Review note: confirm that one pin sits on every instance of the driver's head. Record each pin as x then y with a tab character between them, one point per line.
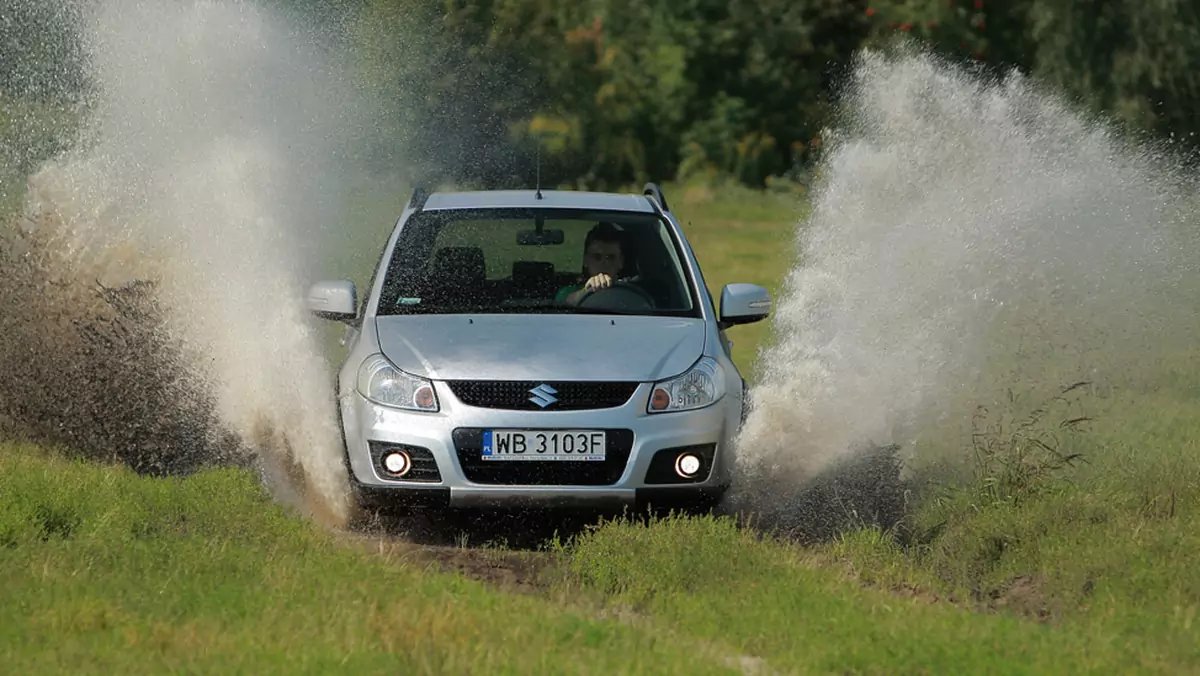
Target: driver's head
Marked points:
604	251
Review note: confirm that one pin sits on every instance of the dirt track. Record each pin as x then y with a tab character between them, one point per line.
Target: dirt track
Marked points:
510	550
509	553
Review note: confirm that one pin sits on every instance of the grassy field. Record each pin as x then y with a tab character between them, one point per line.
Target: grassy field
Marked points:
1022	568
108	572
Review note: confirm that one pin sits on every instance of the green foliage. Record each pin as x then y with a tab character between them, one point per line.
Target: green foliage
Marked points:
620	92
438	87
1136	61
39	57
1133	62
617	91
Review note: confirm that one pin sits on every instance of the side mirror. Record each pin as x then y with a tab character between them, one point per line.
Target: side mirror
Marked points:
336	300
744	304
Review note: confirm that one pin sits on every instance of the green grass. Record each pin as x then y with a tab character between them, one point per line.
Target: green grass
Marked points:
1007	563
107	571
1108	544
1010	561
707	579
104	571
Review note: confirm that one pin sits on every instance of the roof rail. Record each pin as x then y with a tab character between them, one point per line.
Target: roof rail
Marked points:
656	192
419	196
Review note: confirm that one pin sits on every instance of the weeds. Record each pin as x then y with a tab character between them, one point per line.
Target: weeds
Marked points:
1015	458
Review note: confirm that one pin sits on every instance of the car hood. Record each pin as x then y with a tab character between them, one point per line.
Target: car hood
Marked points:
541	347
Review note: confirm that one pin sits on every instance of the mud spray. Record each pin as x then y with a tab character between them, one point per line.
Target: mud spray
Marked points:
967	235
155	280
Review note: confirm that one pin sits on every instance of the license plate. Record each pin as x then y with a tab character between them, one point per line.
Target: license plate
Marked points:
578	445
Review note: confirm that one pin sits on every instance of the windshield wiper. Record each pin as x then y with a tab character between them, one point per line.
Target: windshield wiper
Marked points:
609	311
431	309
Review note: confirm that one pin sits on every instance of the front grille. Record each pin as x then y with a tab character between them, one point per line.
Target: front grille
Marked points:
468	444
424	466
520	395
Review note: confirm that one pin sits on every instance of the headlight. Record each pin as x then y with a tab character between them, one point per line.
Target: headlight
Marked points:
702	385
385	384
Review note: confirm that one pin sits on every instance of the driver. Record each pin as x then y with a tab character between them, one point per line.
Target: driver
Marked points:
603	259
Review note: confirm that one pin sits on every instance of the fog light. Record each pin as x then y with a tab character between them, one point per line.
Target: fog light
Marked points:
397	462
686	465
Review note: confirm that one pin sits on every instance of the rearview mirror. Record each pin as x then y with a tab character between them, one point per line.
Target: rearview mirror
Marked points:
336	300
543	238
744	304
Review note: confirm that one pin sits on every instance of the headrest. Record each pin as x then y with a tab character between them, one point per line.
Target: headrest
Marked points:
532	270
462	264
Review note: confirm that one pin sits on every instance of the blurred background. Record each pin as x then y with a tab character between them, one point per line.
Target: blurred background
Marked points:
624	91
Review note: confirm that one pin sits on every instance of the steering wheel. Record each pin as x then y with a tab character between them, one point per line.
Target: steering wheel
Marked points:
619	296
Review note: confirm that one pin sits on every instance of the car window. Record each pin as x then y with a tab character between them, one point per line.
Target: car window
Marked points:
497	238
529	261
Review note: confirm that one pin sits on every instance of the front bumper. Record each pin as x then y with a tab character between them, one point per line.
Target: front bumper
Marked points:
448	470
534	497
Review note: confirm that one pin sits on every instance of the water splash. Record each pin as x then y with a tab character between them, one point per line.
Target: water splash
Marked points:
211	163
967	235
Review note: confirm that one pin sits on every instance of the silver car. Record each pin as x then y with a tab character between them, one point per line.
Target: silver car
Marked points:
532	348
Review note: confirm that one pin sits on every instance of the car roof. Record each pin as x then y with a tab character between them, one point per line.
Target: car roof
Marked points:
554	199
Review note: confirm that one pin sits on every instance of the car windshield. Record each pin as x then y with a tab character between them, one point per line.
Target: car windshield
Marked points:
511	261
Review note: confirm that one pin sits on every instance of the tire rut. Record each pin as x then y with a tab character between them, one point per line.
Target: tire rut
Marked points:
514	553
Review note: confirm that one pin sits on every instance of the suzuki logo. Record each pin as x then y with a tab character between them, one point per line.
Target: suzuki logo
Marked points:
543	395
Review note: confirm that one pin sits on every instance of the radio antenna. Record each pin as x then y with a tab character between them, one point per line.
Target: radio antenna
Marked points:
538	163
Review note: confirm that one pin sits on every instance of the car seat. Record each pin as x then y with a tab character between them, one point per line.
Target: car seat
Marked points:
458	275
533	279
